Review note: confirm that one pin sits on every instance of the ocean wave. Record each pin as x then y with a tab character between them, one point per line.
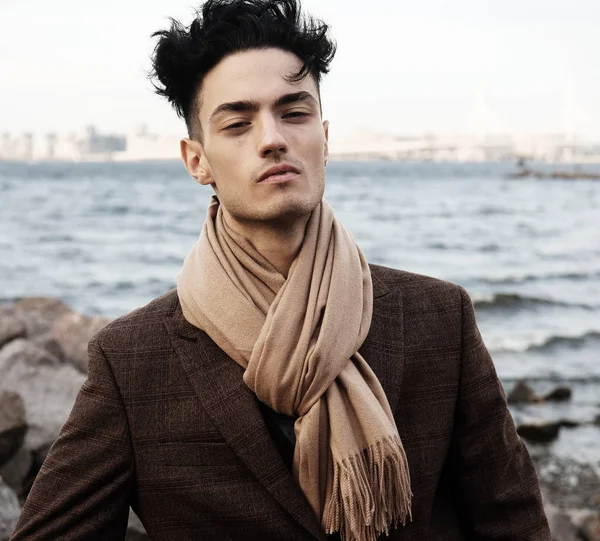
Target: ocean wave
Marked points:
567	341
56	237
553	378
488	247
546	343
514	301
573	275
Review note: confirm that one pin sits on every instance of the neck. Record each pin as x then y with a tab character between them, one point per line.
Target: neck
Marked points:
279	243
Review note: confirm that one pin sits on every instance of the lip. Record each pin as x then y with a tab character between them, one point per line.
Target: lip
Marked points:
278	174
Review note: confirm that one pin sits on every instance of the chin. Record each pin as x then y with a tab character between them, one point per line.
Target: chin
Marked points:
289	208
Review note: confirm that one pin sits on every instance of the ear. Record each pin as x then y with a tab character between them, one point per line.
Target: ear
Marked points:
326	145
194	159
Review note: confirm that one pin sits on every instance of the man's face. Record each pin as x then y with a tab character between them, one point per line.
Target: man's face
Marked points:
252	120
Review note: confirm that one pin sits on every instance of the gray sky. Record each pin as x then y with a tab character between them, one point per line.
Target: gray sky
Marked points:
402	67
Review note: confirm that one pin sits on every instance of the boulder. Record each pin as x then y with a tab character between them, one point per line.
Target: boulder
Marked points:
522	393
559	394
590	529
9	510
569	423
72	332
39	313
16	471
47	342
11	326
562	526
539	432
27	477
12	424
48	389
21	351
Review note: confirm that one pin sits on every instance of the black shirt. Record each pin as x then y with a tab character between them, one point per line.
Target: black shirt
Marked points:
281	429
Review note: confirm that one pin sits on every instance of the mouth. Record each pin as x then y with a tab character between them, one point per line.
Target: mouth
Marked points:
278	174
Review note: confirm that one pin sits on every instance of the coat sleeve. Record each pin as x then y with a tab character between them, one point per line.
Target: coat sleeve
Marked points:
82	491
495	485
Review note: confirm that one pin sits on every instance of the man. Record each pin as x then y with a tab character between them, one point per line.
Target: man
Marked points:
286	390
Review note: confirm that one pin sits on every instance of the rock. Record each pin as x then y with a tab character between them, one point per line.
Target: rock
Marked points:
37	459
597	420
559	394
539	433
48	389
11	326
590	529
21	351
521	393
568	483
72	332
39	313
47	342
12	424
16	471
568	423
562	527
9	511
135	529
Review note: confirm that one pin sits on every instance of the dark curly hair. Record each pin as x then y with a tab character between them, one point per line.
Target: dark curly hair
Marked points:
184	55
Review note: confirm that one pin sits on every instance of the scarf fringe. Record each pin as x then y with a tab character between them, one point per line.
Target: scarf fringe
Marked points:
371	492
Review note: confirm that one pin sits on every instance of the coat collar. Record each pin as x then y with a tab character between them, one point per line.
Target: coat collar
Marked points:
233	408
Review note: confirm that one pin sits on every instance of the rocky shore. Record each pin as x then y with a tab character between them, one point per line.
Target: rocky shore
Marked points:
43	363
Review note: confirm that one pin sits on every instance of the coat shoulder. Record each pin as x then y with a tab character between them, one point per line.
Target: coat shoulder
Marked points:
145	325
420	292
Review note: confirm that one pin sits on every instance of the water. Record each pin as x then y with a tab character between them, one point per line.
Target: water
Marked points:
107	238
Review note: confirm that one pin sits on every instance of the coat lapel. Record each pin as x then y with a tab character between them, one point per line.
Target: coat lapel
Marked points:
383	348
233	408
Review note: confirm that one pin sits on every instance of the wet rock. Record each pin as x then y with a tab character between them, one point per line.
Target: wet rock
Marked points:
522	393
539	432
12	424
559	394
569	423
11	326
39	313
9	511
72	332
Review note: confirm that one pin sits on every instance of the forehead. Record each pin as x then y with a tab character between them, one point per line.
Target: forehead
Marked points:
258	74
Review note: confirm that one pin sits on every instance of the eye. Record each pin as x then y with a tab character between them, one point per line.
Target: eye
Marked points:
296	114
237	125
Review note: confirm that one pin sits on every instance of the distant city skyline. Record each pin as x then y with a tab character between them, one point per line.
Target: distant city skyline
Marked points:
141	144
460	66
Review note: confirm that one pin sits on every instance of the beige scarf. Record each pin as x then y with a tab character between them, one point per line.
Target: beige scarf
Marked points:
297	339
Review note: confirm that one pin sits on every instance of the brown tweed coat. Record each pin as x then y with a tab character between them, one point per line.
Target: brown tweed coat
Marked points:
165	424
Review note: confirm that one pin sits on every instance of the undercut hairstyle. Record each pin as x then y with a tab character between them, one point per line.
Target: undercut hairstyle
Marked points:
184	55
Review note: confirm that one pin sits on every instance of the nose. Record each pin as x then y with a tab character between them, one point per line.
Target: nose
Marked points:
272	140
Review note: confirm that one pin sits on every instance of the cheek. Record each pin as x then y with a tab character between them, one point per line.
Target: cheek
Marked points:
318	155
226	167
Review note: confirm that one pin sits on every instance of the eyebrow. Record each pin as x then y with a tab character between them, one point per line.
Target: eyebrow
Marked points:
253	106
